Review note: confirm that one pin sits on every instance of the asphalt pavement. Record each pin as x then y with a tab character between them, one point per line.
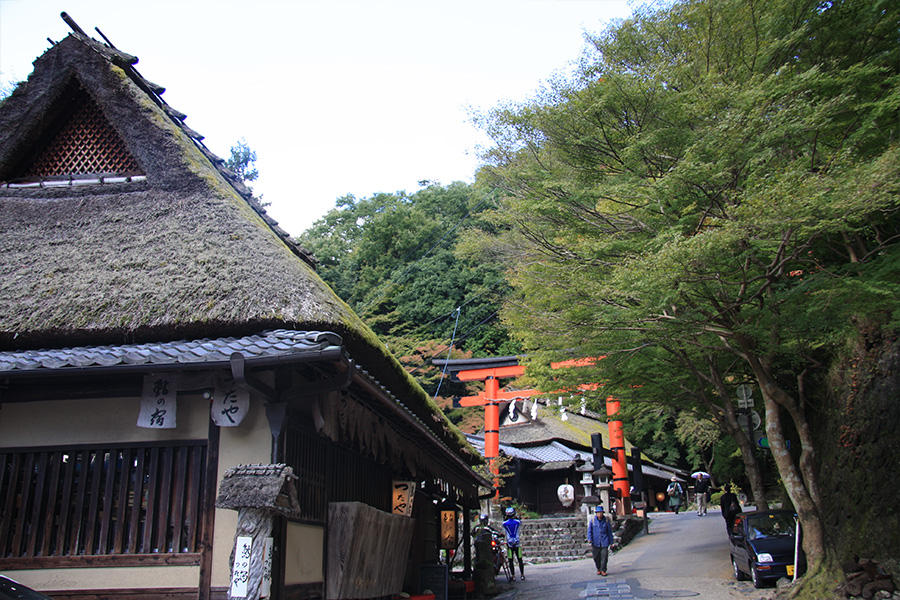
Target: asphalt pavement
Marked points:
682	556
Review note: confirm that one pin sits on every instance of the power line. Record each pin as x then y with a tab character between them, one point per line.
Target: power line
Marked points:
444	371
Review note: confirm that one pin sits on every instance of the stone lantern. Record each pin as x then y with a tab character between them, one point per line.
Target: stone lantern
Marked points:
587	480
603	475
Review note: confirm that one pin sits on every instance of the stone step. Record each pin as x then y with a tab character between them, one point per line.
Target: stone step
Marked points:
554	539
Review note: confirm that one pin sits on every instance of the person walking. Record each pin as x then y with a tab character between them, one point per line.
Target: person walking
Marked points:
512	525
701	491
599	536
676	495
731	506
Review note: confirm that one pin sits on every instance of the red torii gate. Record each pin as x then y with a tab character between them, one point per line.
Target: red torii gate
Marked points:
491	371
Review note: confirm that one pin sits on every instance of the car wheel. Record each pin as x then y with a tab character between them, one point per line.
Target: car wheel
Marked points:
738	574
757	580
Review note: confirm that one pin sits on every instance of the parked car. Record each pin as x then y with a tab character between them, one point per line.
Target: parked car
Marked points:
763	545
13	590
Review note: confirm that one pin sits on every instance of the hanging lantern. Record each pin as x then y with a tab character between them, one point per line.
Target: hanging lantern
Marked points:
448	520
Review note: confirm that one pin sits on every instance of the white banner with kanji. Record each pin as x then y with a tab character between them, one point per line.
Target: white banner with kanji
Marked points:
158	401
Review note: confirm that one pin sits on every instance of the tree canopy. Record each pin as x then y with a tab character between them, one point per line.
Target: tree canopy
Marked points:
393	258
711	200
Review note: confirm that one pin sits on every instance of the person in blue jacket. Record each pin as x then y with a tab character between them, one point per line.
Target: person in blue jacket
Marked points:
512	525
599	536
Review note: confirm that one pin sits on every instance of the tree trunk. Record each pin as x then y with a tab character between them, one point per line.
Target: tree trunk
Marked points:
799	479
748	455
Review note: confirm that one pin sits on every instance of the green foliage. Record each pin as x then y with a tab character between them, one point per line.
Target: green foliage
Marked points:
712	199
6	87
241	162
394	259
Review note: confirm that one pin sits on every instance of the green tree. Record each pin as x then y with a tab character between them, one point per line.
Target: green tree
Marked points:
393	258
6	88
242	162
716	194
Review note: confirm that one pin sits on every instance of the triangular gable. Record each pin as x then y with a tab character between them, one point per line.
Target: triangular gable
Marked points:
81	141
86	111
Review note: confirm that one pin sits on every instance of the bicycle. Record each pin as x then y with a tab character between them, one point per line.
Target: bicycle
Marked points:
506	568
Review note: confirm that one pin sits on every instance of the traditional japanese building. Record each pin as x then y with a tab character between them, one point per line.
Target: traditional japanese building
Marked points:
157	331
544	444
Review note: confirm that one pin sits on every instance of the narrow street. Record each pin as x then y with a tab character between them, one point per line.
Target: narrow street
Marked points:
682	556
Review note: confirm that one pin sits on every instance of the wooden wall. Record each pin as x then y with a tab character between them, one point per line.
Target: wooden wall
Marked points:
367	551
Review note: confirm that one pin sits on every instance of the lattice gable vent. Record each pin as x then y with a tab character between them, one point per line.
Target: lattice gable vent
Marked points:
82	142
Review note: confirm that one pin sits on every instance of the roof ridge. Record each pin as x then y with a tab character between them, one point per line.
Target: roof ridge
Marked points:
154	91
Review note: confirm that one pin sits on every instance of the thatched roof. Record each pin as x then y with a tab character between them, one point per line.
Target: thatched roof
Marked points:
174	248
260	486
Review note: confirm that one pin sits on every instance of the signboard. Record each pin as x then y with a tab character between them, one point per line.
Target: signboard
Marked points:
158	402
763	442
230	404
744	393
745	420
448	528
240	572
403	493
435	578
265	587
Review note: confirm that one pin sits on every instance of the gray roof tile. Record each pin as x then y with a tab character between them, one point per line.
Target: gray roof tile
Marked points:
266	345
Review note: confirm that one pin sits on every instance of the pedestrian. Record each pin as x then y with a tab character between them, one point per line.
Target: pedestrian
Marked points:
701	490
512	525
599	536
731	507
676	494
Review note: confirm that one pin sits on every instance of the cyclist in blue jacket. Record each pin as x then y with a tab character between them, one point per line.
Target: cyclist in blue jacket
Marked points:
512	525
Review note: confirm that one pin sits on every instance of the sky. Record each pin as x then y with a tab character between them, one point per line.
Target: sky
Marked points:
336	97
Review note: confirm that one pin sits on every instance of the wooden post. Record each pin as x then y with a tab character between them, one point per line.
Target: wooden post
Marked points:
255	524
259	493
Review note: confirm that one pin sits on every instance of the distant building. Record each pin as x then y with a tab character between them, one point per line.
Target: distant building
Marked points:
157	331
545	445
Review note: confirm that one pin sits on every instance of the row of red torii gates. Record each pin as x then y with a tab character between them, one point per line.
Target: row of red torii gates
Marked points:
491	371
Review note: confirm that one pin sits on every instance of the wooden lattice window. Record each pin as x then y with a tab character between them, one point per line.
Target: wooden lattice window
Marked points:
93	501
83	142
328	472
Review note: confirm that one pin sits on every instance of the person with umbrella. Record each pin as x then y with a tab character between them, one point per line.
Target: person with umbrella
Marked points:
701	491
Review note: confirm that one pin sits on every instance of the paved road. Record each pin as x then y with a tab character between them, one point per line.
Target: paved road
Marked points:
682	556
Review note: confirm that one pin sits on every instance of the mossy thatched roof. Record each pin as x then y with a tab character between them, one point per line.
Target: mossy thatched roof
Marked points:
181	252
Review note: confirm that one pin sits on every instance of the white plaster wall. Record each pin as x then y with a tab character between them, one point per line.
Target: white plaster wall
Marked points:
303	554
62	422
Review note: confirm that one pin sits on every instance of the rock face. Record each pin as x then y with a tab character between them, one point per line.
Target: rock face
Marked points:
856	419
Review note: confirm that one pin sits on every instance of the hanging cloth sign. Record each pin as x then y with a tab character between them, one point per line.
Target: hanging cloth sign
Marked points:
265	588
240	572
230	403
158	402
